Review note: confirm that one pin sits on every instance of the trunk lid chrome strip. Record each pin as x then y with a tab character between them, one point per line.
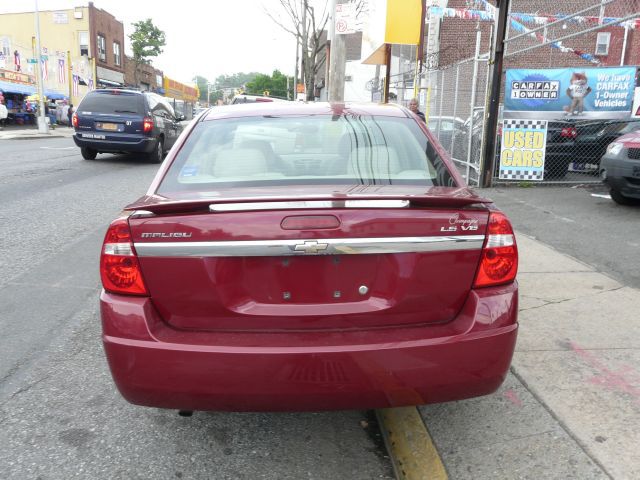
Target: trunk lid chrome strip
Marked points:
311	204
322	246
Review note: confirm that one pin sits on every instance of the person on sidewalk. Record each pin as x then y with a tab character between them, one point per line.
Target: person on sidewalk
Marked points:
70	115
413	106
4	113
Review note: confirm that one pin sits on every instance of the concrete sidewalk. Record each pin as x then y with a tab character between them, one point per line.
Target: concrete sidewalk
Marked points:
12	133
571	406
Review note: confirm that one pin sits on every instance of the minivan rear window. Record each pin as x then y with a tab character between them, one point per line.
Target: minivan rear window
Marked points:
112	102
305	150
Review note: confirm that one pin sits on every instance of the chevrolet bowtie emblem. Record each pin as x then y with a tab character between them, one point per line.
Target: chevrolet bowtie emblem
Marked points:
311	246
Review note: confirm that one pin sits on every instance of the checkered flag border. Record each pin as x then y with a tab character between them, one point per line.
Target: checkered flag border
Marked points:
529	124
521	175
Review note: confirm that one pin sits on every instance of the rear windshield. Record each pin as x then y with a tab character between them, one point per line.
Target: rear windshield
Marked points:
107	102
311	150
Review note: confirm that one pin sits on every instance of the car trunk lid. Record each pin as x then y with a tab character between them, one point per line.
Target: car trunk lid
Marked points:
335	265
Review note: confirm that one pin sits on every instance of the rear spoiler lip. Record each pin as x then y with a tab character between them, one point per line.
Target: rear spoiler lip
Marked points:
162	205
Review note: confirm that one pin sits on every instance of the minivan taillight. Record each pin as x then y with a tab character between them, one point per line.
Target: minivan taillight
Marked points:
119	266
74	120
499	261
147	124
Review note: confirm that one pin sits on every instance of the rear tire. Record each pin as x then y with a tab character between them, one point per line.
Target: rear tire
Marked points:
620	199
157	155
88	153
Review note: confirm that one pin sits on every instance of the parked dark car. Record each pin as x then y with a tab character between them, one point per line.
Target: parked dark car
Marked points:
594	137
452	134
114	120
313	256
620	169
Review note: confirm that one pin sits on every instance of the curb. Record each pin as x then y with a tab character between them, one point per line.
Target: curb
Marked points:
412	452
32	137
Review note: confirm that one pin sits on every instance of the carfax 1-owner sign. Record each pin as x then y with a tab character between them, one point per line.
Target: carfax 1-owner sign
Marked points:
555	93
522	149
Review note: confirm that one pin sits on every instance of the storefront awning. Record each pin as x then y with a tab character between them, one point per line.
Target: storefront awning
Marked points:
9	87
109	83
55	95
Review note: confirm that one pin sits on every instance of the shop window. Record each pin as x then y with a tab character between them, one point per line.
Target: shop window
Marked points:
83	40
5	47
101	45
117	59
602	43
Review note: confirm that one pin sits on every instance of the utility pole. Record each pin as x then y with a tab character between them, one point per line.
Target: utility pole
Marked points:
491	120
42	123
338	58
304	47
387	75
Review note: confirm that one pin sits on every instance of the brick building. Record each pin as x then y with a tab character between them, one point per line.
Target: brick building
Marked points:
456	37
147	76
107	44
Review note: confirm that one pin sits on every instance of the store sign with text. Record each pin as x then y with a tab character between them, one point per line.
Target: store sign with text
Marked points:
522	150
556	93
17	77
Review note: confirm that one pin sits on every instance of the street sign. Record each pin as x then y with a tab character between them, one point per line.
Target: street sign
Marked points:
345	18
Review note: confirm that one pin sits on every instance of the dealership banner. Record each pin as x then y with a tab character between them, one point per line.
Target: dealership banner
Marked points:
522	149
557	93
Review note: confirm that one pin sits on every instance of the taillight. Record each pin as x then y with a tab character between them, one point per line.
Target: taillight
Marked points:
119	266
74	120
569	132
147	124
499	262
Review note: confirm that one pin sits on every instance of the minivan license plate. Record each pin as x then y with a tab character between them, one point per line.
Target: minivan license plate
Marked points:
113	127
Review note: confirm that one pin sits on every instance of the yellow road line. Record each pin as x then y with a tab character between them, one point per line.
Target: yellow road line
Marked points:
412	451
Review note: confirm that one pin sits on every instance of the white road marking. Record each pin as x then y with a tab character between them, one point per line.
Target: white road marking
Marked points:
601	195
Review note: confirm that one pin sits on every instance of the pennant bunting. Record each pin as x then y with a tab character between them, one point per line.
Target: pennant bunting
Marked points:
61	70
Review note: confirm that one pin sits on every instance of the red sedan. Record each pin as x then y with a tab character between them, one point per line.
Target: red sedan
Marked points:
308	257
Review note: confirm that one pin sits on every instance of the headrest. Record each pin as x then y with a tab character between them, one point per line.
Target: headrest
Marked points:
240	162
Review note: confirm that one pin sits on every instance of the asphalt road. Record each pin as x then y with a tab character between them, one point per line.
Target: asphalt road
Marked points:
60	414
579	222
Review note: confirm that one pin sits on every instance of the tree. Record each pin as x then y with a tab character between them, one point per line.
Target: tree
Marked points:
202	83
307	28
276	85
147	41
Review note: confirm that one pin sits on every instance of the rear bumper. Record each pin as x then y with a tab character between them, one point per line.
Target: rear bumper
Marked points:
141	144
157	366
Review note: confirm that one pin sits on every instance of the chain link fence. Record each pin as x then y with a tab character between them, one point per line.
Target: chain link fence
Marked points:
574	35
597	43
